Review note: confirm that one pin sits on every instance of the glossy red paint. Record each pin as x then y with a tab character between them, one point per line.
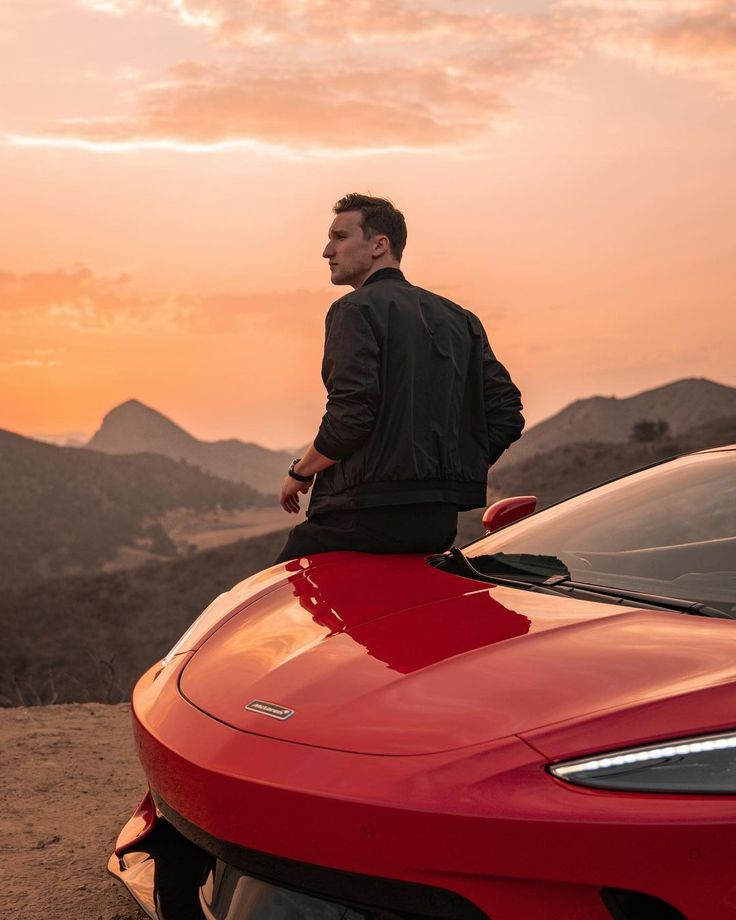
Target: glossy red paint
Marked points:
480	665
380	789
507	511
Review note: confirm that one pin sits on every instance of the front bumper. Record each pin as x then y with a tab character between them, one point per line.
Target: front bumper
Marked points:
176	871
487	824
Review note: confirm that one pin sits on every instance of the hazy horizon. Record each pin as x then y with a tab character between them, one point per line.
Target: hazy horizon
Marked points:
59	437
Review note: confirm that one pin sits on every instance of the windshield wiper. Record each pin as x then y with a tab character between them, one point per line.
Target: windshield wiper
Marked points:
510	564
528	575
655	600
520	576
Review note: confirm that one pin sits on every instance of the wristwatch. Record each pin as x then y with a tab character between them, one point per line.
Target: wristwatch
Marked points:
298	476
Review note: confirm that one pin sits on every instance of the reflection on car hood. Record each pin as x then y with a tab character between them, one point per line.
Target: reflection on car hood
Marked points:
385	655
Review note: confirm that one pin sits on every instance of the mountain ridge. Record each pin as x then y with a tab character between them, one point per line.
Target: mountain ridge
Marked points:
133	427
683	404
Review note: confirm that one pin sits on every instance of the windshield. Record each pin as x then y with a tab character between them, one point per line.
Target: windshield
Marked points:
669	530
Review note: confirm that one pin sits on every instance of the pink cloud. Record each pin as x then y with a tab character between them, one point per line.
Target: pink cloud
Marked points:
77	297
74	292
338	109
394	76
693	38
306	75
315	22
709	32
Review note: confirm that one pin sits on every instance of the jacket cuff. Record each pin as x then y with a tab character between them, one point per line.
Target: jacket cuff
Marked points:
328	447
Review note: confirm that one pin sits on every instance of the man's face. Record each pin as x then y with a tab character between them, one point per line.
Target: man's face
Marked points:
351	257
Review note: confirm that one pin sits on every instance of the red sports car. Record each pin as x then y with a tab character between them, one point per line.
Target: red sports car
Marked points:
542	725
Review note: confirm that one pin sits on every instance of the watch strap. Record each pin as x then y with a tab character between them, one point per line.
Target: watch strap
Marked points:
298	476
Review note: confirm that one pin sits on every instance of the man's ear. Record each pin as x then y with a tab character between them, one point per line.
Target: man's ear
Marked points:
381	244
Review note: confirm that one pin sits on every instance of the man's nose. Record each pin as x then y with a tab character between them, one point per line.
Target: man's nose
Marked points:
327	251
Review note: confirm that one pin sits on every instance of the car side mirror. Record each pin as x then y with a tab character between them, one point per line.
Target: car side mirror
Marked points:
508	510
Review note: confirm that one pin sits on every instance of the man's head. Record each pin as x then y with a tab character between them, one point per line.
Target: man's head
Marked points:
366	234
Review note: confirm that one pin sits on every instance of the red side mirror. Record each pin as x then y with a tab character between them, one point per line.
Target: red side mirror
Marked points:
508	510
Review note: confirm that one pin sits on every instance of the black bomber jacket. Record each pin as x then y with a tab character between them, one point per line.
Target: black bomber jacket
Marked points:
418	407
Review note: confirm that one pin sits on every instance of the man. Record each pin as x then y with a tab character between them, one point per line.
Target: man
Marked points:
418	407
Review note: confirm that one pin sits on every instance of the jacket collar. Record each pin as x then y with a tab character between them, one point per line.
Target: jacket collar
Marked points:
385	274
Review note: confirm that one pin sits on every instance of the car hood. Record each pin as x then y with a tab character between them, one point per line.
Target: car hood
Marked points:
387	655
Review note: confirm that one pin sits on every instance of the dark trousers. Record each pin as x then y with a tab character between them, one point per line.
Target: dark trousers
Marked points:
427	527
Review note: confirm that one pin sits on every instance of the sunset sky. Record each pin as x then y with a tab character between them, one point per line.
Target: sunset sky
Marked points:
168	168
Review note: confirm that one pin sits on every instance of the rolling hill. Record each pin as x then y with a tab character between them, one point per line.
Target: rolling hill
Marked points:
71	509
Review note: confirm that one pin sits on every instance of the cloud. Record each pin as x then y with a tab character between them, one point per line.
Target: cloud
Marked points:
702	43
76	297
294	77
320	22
124	74
228	312
412	107
692	38
111	7
29	362
73	294
308	74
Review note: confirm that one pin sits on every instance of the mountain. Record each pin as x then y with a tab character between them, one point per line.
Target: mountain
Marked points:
72	509
683	404
133	428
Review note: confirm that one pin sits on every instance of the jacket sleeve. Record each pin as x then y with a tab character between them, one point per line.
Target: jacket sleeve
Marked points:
351	373
502	404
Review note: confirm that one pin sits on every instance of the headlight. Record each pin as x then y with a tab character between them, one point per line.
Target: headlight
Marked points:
706	764
216	610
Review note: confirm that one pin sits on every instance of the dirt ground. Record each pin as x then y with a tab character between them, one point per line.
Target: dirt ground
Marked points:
69	779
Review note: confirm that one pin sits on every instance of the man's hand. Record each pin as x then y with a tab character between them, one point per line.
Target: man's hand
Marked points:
290	489
311	463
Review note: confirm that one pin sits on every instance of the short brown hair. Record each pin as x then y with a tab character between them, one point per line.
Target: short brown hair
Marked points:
378	216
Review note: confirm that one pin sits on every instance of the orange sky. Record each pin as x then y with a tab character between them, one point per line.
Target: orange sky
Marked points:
167	169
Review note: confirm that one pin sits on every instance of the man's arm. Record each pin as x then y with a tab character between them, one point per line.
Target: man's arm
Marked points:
502	403
351	371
